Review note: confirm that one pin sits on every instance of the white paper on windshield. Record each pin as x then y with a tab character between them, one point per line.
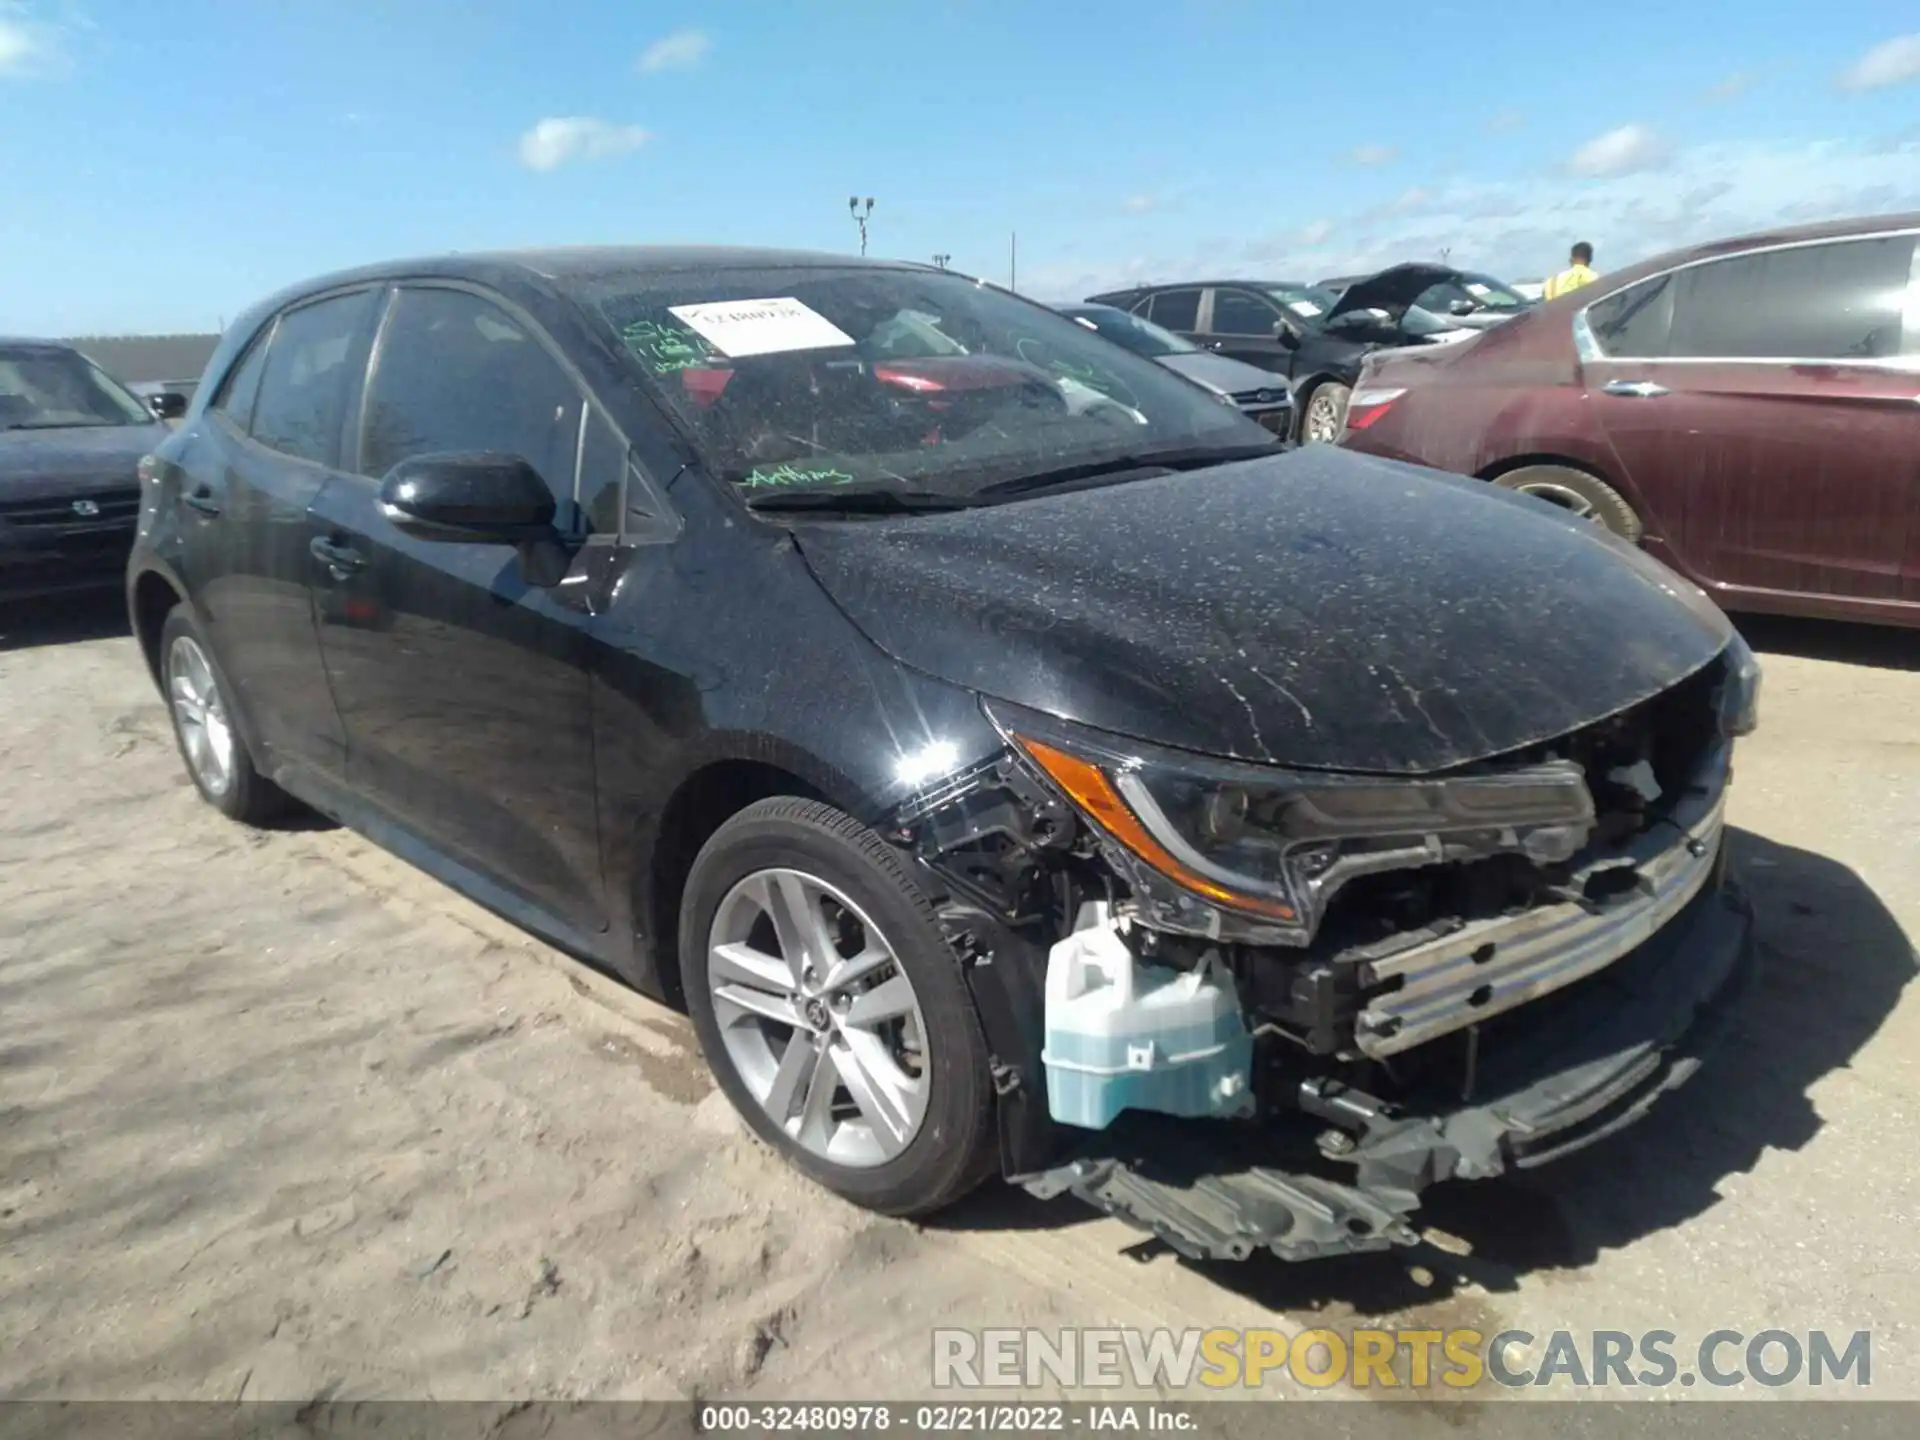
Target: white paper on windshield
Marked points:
1474	287
738	328
1304	307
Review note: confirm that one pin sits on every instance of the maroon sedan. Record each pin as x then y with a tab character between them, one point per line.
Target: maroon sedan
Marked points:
1749	410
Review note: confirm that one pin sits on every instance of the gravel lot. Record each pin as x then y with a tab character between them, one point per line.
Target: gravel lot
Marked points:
280	1116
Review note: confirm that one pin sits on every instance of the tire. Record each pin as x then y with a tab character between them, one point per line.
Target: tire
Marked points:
200	705
1578	493
807	859
1324	412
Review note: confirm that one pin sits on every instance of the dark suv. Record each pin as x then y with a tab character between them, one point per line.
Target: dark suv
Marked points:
71	441
1008	754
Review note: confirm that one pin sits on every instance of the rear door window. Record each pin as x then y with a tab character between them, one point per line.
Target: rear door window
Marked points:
304	387
1176	310
1235	312
1840	301
458	373
1633	324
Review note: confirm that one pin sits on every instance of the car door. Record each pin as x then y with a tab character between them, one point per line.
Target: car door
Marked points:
1771	401
463	687
1247	327
1175	310
261	454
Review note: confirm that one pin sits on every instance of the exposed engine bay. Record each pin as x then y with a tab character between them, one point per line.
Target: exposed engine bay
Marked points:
1394	980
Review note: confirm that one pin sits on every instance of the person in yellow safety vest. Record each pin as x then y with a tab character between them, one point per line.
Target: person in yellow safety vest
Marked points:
1580	272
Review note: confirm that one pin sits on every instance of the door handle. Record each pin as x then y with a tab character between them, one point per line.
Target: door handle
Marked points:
340	560
202	498
1635	389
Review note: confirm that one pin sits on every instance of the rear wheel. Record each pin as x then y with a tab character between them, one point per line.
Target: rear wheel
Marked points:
1578	493
832	1010
1325	413
198	701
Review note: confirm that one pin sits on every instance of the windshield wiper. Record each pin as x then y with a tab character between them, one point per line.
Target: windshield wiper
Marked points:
860	499
1139	466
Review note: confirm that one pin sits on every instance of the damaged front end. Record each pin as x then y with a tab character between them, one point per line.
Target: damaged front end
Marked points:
1250	1008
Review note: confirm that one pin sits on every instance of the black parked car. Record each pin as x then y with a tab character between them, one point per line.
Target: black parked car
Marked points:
1312	336
71	439
869	656
1259	395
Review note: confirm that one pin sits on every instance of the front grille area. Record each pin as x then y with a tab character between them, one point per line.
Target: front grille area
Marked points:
1279	420
1257	399
102	507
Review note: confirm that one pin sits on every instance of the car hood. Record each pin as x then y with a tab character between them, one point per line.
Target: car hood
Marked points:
53	462
1320	608
1222	375
1393	289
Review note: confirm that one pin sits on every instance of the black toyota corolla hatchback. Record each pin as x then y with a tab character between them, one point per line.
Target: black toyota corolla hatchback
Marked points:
1012	760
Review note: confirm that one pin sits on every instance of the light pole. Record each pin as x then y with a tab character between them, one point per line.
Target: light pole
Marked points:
860	217
940	261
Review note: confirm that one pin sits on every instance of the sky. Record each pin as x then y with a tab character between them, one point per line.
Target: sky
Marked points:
162	165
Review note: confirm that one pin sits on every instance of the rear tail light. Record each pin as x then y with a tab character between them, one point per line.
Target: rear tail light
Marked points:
1368	405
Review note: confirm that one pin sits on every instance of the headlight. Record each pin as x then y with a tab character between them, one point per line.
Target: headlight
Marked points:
1273	844
1740	690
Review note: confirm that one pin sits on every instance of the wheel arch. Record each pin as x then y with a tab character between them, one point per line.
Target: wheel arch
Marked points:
704	800
152	597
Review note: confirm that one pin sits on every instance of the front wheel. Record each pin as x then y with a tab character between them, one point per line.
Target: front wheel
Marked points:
832	1010
1325	414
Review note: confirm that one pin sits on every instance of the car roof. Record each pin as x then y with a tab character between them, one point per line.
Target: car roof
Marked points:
30	342
1143	289
570	265
1761	240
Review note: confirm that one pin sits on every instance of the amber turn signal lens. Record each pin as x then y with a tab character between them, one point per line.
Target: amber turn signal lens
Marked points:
1089	788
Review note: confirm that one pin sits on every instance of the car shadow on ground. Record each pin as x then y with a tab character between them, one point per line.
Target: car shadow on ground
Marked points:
1881	647
1833	963
63	619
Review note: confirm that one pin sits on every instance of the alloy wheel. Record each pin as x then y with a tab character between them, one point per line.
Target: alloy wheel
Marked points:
1567	499
205	732
818	1017
1323	419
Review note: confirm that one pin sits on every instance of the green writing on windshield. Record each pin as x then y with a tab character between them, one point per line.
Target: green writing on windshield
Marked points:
664	349
793	475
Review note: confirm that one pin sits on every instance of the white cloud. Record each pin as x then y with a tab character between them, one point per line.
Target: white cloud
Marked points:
681	50
1371	154
1731	88
1520	227
1619	152
1892	62
555	141
1140	204
27	47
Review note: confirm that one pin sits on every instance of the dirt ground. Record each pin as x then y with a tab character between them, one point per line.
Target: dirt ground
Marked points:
281	1117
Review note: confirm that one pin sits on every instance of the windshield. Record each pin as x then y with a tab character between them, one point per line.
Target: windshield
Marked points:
816	378
1143	337
1305	302
62	389
1483	292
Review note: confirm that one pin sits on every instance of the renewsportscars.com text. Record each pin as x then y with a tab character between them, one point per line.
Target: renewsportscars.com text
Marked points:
1173	1360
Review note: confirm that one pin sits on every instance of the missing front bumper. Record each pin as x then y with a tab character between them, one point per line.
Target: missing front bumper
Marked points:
1603	1053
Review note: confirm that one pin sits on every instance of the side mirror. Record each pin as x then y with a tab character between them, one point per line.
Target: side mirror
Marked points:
167	404
1462	307
490	499
1289	339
